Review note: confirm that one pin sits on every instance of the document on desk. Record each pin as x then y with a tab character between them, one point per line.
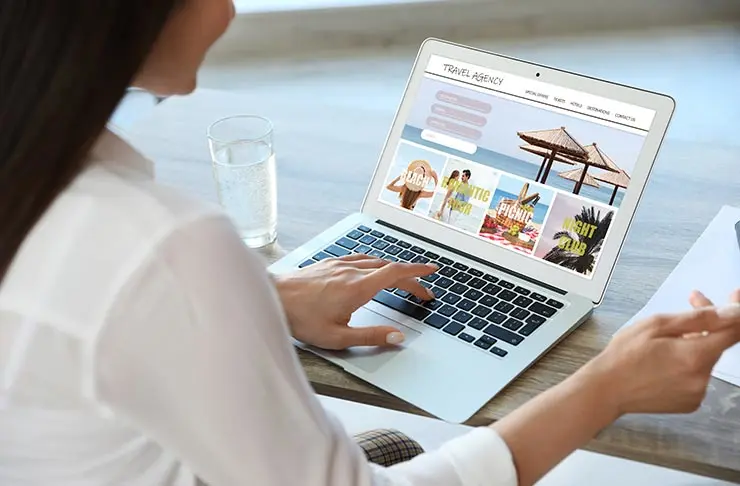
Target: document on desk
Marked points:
711	266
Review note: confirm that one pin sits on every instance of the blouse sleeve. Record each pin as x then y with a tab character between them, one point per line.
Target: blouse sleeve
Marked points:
195	352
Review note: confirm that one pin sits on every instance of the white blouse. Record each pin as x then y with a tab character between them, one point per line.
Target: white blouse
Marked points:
142	344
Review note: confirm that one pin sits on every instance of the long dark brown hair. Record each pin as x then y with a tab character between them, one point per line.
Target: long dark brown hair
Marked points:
64	67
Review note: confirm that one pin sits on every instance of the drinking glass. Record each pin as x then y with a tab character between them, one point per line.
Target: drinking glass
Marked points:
243	162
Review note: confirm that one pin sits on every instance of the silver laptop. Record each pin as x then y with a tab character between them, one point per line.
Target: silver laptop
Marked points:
520	181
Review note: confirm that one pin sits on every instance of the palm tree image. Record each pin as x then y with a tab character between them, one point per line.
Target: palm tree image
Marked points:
582	263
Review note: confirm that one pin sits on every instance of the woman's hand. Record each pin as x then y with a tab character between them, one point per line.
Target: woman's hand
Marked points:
663	364
319	300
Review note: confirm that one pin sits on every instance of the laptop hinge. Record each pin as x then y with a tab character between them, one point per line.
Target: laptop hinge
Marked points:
475	258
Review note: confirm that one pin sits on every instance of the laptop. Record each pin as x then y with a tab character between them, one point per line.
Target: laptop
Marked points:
520	182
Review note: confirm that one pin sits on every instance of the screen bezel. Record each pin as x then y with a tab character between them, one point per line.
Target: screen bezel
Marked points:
592	288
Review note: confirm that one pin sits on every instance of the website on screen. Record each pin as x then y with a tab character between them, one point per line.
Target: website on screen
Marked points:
532	167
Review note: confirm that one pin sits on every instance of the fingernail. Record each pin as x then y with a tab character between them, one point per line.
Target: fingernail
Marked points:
395	338
431	294
433	266
729	311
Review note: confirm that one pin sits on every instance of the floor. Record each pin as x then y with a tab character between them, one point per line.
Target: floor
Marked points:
699	67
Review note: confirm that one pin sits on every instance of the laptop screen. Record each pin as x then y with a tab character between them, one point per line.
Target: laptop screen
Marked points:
532	167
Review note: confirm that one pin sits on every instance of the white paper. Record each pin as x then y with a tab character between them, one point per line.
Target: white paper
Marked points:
711	266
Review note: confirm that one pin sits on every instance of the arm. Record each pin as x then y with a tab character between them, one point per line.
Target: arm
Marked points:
436	182
393	187
196	353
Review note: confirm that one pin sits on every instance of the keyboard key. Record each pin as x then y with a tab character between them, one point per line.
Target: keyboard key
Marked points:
390	239
381	245
368	240
477	283
513	324
438	292
459	288
481	311
425	284
337	251
466	305
504	307
447	310
364	229
363	249
485	342
488	301
491	289
402	306
528	329
354	234
402	293
473	294
453	328
445	261
444	282
407	255
431	255
555	303
475	272
542	310
391	258
433	304
522	301
490	278
377	234
506	295
436	321
417	249
462	277
430	278
307	263
393	250
497	317
466	337
447	271
404	244
499	352
377	254
478	323
462	316
522	290
347	243
461	267
503	335
505	284
451	298
519	313
536	320
420	259
417	300
321	256
538	297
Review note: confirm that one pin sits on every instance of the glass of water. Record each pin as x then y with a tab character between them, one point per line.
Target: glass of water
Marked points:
244	170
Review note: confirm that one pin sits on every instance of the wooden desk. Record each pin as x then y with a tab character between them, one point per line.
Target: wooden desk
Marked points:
327	149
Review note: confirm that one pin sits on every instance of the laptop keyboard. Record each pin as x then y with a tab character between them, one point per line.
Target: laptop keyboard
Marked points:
484	310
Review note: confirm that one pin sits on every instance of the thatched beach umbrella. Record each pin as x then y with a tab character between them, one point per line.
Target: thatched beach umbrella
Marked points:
596	158
557	142
545	154
617	179
575	175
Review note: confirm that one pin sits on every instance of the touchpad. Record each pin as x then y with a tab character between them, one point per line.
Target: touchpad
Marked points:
372	358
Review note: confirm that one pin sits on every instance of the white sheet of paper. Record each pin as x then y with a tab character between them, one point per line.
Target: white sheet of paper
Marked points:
711	266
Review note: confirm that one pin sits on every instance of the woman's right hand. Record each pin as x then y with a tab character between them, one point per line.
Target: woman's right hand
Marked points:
663	364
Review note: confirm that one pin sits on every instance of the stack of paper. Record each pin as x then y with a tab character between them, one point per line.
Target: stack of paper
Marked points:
711	266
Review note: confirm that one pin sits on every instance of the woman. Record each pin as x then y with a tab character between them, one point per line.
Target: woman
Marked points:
415	179
143	345
444	214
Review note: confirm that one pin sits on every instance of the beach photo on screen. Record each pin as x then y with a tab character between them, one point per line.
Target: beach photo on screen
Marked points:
565	152
518	210
464	194
574	234
413	178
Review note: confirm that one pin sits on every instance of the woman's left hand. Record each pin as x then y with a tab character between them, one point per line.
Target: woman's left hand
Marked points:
319	300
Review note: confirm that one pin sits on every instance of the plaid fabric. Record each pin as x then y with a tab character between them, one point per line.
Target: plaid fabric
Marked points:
386	447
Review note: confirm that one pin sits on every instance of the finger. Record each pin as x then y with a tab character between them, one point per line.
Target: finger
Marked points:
699	300
735	297
415	287
356	257
389	275
369	336
369	263
696	321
